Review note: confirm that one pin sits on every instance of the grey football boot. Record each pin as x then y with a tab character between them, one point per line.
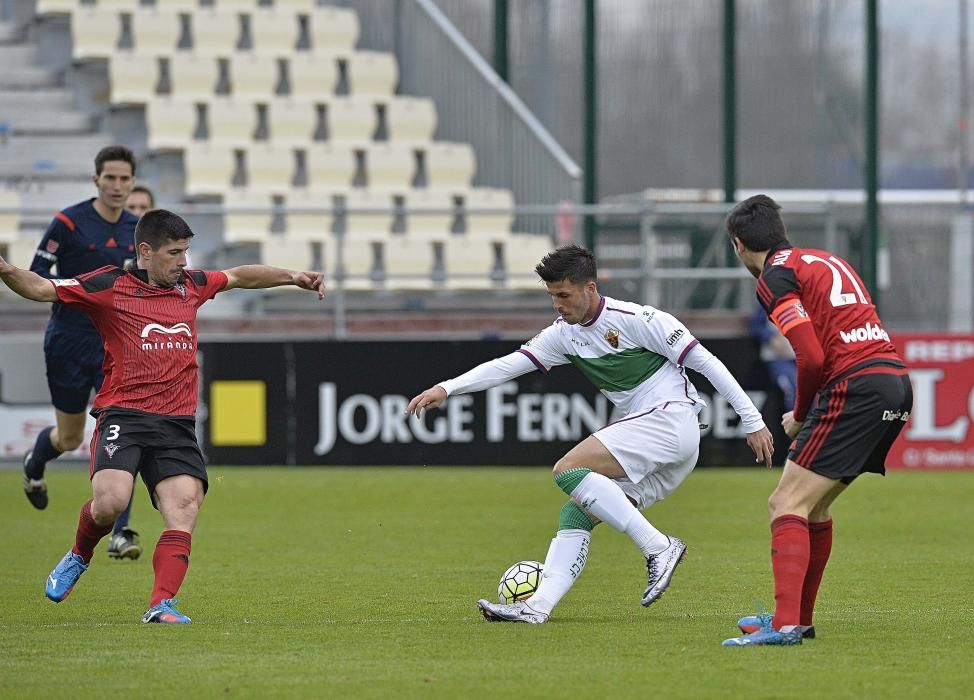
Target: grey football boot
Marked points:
660	568
512	612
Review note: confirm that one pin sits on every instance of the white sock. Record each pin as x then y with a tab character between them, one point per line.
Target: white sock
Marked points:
604	499
566	559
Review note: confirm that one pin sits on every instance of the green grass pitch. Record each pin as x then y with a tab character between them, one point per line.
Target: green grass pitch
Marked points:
361	583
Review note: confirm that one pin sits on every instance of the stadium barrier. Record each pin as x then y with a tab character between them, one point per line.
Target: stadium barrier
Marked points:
336	403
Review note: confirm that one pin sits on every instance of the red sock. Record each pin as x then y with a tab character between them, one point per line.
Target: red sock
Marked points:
789	560
170	561
819	548
89	534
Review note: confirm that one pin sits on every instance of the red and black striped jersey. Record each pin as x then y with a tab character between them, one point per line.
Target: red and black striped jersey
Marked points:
799	285
149	335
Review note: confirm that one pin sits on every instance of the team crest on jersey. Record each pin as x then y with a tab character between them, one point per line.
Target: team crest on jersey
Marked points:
52	246
612	337
110	449
181	288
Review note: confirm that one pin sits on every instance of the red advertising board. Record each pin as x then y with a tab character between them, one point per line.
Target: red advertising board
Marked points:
940	432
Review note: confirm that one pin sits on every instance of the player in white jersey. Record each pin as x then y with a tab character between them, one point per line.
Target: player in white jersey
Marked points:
636	356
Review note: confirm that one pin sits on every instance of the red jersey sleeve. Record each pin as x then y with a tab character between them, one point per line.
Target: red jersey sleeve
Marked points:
88	292
794	323
776	284
209	282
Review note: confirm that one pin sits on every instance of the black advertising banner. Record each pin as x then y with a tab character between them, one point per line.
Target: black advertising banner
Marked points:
332	403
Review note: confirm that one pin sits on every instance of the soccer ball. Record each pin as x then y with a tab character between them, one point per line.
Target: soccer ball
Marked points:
519	582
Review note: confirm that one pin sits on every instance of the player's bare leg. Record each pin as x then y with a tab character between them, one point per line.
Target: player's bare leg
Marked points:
586	474
179	499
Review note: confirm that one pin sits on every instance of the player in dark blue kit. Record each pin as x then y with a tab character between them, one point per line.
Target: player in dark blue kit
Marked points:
82	238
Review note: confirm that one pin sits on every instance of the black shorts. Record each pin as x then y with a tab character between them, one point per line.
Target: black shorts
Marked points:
74	367
853	424
154	446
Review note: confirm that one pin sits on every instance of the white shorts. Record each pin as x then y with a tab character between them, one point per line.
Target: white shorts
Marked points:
657	449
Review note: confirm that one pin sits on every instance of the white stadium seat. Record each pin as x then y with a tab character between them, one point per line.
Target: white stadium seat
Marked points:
372	213
270	169
10	219
352	120
292	122
469	262
488	222
312	75
215	31
372	73
208	169
283	251
94	33
429	213
449	165
247	216
56	7
133	77
390	166
334	29
253	76
330	167
274	32
154	31
522	251
170	124
192	77
409	262
411	119
232	122
309	216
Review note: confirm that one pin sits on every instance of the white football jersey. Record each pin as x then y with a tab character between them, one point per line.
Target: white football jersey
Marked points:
632	353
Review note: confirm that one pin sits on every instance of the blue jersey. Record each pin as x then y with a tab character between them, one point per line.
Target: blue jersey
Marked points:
79	240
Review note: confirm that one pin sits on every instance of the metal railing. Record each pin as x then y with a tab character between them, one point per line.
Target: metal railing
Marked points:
514	150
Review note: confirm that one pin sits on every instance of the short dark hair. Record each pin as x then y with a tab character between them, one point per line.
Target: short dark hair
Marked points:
114	153
145	190
569	262
757	223
157	226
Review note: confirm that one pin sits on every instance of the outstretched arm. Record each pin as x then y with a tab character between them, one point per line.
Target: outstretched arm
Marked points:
27	284
759	438
482	376
265	277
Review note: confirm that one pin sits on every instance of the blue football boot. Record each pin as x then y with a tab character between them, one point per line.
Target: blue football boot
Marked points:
752	623
165	612
64	576
767	636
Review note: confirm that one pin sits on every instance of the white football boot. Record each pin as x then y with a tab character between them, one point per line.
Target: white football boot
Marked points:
513	612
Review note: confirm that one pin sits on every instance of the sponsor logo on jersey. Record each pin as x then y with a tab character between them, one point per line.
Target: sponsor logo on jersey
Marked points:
111	449
649	316
171	344
896	415
612	337
781	258
70	282
674	336
863	333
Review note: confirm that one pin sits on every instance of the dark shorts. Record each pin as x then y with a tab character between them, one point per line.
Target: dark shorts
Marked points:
853	424
154	446
74	367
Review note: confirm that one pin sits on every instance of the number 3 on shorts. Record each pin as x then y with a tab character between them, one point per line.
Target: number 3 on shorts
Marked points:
113	431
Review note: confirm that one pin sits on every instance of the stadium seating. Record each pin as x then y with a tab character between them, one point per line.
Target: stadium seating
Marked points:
411	119
192	77
372	73
155	31
243	226
248	91
94	33
334	29
232	122
449	165
9	220
170	124
215	31
133	77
